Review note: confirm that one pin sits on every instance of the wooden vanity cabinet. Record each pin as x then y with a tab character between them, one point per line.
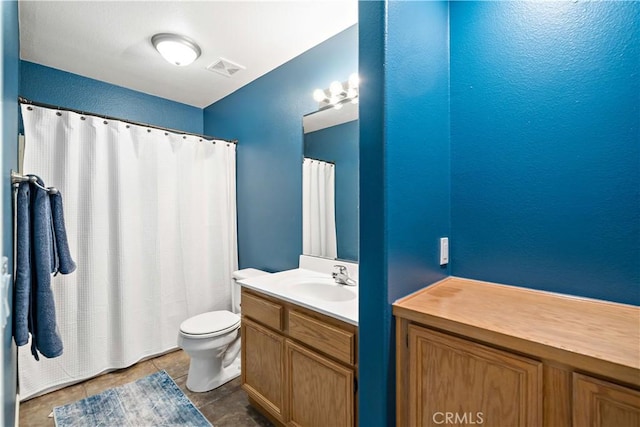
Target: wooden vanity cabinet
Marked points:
601	403
320	392
477	353
298	366
263	370
476	382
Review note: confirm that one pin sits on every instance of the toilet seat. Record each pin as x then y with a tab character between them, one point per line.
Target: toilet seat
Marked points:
211	324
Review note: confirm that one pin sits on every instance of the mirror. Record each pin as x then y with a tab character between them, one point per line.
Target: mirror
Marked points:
330	183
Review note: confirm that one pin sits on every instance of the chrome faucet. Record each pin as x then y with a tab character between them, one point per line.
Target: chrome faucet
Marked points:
341	276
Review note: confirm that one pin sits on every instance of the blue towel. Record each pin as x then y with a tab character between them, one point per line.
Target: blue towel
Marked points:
22	287
41	249
65	264
45	337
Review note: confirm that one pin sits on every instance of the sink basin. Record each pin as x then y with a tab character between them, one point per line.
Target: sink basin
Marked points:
322	289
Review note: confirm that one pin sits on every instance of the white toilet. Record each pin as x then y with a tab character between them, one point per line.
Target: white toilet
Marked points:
212	341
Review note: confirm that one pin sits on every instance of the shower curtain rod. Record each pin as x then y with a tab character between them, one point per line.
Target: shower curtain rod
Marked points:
318	160
131	122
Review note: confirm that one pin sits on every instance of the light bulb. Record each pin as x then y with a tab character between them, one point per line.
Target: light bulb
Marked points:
176	53
354	80
352	93
334	100
319	95
338	106
336	88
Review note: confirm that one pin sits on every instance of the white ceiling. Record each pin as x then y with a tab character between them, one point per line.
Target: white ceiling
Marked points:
111	41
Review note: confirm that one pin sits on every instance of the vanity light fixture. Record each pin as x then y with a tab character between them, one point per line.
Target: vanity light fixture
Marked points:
176	49
339	93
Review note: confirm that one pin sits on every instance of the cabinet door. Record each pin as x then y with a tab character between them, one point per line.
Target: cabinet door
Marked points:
320	392
598	403
457	382
263	367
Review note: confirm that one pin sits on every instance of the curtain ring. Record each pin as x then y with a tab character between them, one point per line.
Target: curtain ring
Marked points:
30	108
58	113
105	122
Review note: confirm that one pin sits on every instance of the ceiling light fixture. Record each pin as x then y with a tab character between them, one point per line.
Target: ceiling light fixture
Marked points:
338	93
178	50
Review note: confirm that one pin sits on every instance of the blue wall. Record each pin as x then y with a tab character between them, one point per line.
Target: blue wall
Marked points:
266	117
417	152
339	144
56	87
375	388
9	94
405	177
545	126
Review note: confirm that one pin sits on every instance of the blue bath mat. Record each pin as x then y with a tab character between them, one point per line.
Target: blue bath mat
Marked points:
155	400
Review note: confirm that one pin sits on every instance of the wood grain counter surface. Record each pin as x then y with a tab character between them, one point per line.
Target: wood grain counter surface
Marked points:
595	336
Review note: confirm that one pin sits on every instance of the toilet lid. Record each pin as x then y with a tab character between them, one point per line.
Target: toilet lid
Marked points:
208	323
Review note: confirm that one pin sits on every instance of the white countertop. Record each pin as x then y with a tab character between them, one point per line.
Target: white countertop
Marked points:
280	285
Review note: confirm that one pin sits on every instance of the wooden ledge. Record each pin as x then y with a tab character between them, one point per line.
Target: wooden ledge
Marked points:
591	335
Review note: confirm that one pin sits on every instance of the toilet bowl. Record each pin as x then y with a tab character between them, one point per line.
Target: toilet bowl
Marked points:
212	341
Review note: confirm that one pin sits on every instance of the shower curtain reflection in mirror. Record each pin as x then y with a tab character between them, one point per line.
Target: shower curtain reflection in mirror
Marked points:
332	135
151	219
318	209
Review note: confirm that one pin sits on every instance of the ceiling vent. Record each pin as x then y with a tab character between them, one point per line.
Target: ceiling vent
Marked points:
225	67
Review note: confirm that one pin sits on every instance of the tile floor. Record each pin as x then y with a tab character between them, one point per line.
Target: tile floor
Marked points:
226	406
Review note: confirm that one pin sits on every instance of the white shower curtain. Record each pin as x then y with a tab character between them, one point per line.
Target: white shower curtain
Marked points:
151	221
318	209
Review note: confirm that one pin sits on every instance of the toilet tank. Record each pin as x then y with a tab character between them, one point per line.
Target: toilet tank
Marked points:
245	273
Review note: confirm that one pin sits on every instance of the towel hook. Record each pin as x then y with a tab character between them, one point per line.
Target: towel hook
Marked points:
16	178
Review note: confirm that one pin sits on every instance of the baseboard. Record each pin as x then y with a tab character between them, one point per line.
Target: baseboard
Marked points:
17	419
